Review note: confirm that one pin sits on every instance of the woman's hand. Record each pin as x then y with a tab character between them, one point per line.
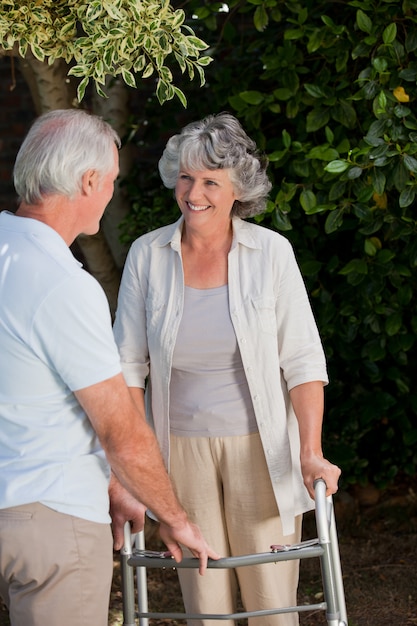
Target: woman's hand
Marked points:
315	466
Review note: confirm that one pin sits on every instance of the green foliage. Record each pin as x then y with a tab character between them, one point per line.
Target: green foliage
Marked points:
125	38
328	91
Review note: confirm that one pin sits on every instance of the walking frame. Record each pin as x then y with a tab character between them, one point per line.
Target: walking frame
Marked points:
325	547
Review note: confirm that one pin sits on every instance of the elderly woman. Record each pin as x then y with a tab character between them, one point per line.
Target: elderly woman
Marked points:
214	321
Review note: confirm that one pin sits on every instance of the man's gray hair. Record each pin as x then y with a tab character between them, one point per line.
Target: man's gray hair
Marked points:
60	147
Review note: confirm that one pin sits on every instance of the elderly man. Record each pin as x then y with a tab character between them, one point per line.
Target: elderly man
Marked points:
66	414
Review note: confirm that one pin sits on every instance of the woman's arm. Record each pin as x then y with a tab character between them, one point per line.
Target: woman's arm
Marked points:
308	403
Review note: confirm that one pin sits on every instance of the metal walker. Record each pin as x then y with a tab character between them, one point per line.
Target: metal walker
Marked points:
325	547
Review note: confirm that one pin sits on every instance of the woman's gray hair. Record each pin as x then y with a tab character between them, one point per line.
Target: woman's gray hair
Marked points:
219	142
60	147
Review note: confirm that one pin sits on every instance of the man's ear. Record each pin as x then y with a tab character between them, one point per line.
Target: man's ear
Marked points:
89	182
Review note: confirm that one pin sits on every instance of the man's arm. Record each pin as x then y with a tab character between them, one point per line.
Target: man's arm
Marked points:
308	403
123	506
133	453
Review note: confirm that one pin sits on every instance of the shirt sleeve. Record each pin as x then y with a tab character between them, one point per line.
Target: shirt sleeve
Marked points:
72	333
130	326
301	352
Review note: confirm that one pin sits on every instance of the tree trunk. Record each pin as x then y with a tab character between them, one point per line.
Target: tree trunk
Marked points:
115	110
49	85
51	89
101	265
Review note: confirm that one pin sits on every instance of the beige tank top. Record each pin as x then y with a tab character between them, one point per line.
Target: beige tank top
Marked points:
209	394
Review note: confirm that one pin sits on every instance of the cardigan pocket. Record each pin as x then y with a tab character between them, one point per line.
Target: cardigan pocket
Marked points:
265	315
156	309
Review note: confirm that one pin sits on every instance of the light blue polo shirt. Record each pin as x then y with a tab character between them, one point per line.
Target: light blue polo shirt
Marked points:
55	338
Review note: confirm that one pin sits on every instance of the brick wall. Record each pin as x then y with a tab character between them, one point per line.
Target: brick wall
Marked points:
16	115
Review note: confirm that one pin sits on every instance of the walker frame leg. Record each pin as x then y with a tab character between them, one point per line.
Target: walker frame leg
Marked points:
330	560
325	547
128	583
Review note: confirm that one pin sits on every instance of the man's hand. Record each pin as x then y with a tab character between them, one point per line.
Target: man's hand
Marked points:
124	508
188	535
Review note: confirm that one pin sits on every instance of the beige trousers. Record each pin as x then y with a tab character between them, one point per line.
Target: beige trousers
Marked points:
55	569
224	485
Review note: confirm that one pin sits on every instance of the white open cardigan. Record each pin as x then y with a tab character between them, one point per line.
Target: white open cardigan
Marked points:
275	330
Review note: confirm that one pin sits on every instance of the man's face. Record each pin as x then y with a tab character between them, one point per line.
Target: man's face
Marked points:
101	196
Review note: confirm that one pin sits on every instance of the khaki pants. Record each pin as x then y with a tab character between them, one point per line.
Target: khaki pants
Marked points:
224	486
55	569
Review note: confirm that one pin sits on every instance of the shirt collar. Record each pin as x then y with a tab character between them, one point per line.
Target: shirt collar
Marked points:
40	232
242	234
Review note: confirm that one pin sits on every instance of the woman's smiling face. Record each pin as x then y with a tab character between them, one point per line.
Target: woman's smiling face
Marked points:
205	195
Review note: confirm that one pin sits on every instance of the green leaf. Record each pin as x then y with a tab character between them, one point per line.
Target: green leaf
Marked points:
311	267
286	138
301	167
411	40
410	163
323	153
337	190
378	180
315	40
409	74
404	295
283	93
81	88
355	266
179	17
363	21
400	175
308	200
390	33
393	324
78	70
354	172
371	247
364	194
410	438
329	135
260	18
380	64
344	113
100	91
37	52
337	167
128	78
204	61
407	197
181	96
316	119
315	90
334	221
197	43
374	350
293	33
252	97
277	155
148	71
281	220
385	256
